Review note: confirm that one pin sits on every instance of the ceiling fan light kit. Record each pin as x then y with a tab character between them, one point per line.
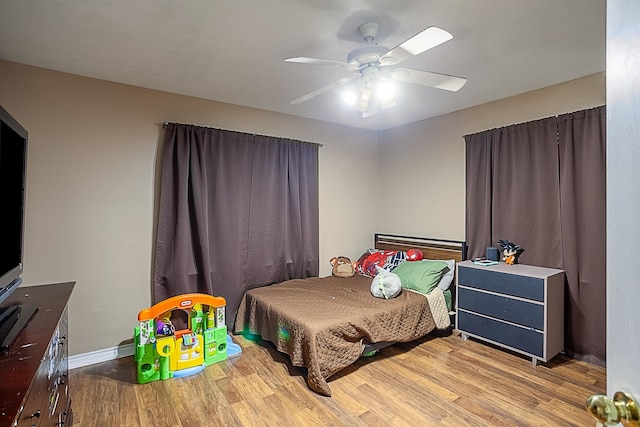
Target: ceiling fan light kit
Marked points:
385	90
372	89
362	94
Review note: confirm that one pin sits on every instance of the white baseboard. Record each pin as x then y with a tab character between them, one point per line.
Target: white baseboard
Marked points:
98	356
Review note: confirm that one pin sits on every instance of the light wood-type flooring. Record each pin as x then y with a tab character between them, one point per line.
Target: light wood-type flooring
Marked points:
438	380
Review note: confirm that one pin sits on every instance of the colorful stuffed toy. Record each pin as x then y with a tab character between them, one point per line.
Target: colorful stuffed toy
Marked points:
366	265
414	255
342	266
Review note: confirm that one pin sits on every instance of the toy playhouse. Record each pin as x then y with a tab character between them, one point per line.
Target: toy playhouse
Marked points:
163	352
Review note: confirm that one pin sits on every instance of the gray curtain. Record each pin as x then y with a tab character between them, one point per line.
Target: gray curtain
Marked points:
512	191
582	148
541	185
236	211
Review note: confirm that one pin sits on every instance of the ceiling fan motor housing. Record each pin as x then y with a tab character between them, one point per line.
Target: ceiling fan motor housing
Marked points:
366	55
371	53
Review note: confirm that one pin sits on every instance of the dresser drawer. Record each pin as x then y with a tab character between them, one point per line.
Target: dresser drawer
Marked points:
516	337
36	405
501	307
504	283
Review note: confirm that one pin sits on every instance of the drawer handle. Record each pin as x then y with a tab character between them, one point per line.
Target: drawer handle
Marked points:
62	417
621	409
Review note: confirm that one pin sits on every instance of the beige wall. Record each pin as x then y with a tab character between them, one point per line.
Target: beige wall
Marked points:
422	165
92	170
91	187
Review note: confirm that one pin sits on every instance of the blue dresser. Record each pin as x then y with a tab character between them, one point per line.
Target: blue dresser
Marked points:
518	307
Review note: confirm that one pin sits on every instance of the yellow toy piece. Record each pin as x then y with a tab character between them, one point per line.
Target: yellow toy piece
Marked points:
166	346
186	355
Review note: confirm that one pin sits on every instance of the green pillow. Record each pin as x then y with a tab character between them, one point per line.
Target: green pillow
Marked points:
421	276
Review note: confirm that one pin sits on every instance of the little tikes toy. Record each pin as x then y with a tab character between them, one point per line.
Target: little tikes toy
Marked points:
342	266
163	352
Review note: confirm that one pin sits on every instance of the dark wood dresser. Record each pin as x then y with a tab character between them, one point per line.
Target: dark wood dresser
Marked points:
34	388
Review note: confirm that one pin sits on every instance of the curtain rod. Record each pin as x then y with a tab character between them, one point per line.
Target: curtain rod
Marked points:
537	120
164	125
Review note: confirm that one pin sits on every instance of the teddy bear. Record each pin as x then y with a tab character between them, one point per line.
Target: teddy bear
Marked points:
342	266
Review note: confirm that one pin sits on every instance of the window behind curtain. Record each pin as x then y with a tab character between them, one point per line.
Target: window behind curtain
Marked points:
236	211
541	185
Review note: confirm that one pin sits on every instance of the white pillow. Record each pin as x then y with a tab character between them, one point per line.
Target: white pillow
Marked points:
447	278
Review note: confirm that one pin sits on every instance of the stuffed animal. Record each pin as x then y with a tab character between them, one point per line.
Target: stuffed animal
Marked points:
386	284
414	255
342	266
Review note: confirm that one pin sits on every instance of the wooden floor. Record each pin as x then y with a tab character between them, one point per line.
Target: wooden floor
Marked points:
438	380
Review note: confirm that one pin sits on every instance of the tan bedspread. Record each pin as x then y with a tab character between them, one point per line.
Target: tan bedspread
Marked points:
323	323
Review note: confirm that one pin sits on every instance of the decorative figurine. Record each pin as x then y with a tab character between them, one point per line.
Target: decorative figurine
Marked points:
510	251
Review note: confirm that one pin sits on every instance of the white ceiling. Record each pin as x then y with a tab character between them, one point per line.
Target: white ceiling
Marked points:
232	50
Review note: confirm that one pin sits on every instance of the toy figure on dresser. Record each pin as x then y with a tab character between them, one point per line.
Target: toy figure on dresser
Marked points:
510	251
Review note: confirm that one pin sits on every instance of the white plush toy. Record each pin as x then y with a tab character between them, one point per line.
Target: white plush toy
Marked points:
385	284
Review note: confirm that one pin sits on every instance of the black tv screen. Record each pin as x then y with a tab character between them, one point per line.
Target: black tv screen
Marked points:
13	157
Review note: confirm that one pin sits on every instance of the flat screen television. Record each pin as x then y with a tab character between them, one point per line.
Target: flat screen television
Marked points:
13	162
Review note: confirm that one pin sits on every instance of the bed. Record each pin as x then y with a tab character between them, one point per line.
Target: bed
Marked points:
325	324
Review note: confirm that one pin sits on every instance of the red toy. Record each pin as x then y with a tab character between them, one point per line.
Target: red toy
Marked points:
414	255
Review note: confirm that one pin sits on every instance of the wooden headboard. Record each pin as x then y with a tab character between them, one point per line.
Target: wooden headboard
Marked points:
431	248
439	249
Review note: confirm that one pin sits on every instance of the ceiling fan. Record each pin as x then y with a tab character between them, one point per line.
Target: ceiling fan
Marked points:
375	68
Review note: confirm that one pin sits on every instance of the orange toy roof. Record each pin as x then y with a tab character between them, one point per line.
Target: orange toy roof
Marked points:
180	301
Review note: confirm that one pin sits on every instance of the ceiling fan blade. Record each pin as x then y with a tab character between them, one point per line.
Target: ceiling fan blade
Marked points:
323	89
424	40
427	78
316	61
